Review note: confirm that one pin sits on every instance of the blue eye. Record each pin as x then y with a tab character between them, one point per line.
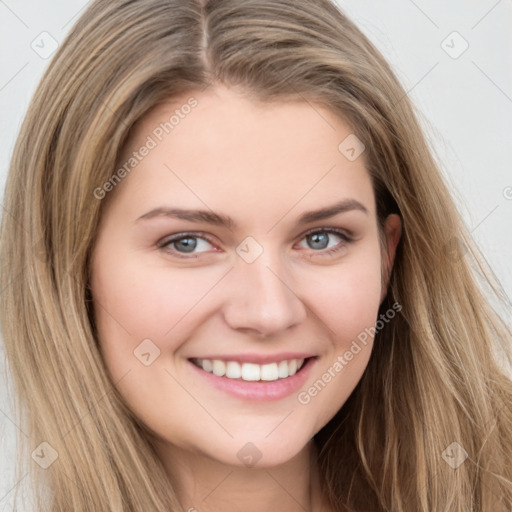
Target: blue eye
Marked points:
185	245
187	242
320	238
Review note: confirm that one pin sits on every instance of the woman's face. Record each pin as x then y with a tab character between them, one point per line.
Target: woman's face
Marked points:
276	285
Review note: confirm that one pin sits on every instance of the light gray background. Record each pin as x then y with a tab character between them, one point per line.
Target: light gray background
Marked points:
466	105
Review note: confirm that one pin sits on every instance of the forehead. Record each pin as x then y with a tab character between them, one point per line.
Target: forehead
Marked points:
219	150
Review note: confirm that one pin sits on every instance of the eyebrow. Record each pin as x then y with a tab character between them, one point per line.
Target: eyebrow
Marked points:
218	219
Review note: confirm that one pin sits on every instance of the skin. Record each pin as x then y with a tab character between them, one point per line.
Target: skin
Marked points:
263	165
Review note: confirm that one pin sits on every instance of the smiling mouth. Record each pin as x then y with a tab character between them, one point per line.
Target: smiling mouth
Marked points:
251	372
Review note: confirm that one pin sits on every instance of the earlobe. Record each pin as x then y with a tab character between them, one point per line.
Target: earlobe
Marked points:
392	234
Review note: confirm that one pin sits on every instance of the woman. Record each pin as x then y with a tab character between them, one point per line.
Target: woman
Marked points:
251	288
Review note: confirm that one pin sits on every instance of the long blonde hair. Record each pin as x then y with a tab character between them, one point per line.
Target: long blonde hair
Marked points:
434	377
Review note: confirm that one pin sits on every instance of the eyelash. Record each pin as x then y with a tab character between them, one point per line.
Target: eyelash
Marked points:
199	234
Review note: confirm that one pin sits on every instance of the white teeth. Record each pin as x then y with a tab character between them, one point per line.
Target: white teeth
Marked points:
233	370
269	371
251	371
283	369
219	367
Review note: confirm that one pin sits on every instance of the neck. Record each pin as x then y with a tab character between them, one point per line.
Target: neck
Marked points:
206	485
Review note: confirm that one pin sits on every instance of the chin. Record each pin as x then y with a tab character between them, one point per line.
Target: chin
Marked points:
260	452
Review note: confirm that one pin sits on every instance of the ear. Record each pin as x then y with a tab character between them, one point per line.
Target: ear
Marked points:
392	234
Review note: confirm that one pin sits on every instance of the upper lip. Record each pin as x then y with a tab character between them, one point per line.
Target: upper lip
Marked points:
258	358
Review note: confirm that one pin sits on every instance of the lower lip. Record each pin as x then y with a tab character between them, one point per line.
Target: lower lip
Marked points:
259	390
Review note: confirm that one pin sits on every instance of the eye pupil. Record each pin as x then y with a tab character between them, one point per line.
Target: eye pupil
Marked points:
319	238
189	243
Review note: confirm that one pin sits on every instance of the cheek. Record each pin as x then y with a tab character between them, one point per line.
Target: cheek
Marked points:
135	302
347	304
346	297
146	300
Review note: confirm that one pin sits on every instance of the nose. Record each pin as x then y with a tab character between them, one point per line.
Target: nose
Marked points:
262	301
